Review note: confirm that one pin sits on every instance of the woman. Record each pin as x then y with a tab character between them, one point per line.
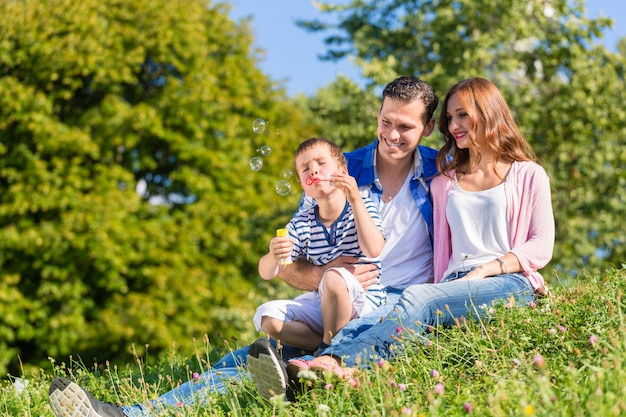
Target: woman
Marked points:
493	210
493	225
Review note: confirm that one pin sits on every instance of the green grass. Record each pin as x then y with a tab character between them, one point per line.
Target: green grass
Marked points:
565	356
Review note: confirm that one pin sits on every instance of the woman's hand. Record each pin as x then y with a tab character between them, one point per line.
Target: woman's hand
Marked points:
476	273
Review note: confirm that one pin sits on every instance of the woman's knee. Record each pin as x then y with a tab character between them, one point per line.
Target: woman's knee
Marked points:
420	294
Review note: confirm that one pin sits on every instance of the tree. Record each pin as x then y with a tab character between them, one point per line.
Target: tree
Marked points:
342	112
129	213
567	90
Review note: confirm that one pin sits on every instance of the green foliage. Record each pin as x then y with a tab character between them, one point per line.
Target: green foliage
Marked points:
563	356
343	113
578	130
128	211
567	91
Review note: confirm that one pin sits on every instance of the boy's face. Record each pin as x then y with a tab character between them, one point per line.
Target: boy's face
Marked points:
400	128
315	166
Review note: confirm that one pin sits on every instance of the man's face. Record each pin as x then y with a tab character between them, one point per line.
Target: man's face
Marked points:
400	128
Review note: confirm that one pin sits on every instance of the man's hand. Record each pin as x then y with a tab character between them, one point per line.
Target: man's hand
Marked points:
305	276
366	274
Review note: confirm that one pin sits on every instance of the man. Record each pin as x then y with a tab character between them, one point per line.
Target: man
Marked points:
394	171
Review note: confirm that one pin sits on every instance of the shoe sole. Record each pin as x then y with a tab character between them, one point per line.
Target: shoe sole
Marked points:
267	369
69	400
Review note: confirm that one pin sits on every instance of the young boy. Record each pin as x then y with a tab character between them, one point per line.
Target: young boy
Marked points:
341	224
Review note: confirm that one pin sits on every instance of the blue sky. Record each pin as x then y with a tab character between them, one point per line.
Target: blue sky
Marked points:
292	53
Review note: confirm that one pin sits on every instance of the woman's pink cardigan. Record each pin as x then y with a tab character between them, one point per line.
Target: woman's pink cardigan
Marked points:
529	213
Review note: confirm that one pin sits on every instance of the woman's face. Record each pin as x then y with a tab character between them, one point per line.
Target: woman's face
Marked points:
460	124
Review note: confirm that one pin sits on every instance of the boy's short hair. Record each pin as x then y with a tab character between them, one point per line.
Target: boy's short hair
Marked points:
335	150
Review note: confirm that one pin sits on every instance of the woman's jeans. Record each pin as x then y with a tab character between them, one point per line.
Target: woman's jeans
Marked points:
424	305
369	337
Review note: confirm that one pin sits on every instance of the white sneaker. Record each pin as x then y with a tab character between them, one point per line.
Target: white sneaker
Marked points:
267	369
70	400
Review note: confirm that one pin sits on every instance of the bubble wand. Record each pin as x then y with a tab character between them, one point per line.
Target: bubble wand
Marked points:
311	181
281	233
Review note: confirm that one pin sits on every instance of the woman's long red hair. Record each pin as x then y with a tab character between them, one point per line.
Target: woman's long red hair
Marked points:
491	117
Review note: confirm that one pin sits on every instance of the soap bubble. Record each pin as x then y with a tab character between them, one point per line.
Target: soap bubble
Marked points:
264	150
256	163
283	187
287	173
258	126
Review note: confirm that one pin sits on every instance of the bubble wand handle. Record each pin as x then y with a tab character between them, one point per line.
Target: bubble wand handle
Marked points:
281	233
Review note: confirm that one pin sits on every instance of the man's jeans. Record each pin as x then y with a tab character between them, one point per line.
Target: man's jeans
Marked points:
228	369
231	369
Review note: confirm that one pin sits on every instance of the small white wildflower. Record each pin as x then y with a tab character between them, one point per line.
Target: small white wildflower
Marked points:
20	384
308	375
483	306
323	409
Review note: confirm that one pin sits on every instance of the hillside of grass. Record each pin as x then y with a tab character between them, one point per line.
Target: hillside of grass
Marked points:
563	355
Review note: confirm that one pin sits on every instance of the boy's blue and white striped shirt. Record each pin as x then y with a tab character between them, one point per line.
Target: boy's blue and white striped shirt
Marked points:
320	245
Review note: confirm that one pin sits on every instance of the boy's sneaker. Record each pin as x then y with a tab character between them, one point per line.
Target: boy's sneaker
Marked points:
267	369
70	400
